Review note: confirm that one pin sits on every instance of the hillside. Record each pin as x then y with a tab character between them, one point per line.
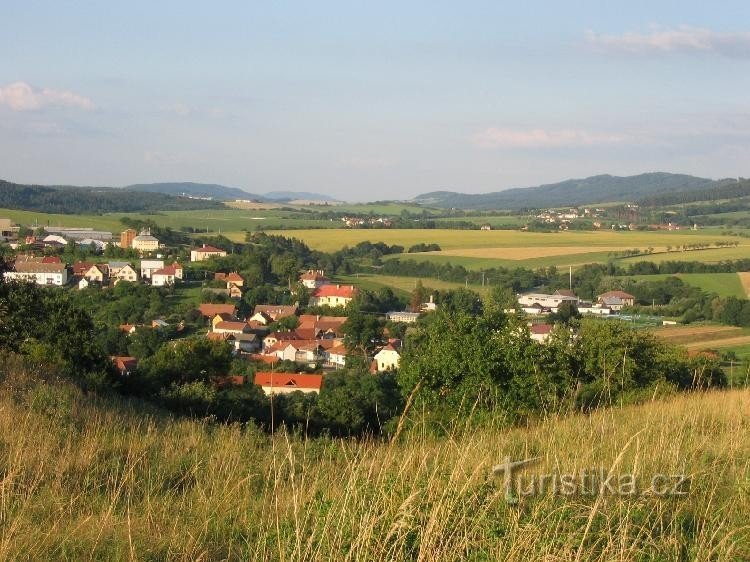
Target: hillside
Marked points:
92	200
297	195
107	479
595	189
215	191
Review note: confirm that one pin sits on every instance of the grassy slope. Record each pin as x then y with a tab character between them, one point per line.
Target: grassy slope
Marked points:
723	284
84	479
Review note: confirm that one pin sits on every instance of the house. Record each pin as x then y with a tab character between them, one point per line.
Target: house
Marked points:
387	359
231	279
166	276
96	274
144	242
546	301
333	295
227	327
402	316
273	311
159	323
211	310
246	343
325	326
83	283
206	252
125	365
312	279
54	240
125	273
8	229
616	300
540	332
39	273
336	356
80	268
127	328
149	266
485	227
284	383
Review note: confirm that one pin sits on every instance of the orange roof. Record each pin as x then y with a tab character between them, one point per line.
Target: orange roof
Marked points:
81	267
125	363
211	310
127	327
311	275
169	270
541	329
225	325
618	294
234	276
209	249
338	350
264	358
343	291
288	380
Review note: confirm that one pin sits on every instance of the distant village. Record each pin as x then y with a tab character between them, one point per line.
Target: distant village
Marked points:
317	341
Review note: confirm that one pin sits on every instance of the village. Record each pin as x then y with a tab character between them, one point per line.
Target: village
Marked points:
290	348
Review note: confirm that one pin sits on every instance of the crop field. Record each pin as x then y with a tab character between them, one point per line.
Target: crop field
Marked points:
448	239
723	284
707	337
711	255
402	285
745	281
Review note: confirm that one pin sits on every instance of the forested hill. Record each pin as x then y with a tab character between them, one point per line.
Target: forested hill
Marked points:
724	189
92	200
213	190
595	189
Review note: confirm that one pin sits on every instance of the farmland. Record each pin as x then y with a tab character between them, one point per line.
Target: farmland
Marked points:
581	241
722	284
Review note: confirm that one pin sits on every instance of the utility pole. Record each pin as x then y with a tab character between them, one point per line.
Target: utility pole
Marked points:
570	278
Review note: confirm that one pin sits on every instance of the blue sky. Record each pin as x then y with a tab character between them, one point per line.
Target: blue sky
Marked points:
369	101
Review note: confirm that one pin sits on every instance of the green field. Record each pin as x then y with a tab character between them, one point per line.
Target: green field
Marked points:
723	284
402	285
478	264
711	255
217	221
462	239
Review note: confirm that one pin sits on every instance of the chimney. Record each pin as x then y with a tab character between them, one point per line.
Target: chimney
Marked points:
338	286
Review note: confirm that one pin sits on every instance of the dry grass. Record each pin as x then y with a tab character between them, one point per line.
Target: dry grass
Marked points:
83	480
524	253
690	334
745	280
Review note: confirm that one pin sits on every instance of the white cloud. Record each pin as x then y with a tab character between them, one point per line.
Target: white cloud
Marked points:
683	39
20	96
542	138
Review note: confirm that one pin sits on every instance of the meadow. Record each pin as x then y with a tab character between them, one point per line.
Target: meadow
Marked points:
95	478
722	284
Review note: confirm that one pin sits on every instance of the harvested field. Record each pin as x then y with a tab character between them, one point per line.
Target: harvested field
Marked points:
686	335
745	280
718	344
524	253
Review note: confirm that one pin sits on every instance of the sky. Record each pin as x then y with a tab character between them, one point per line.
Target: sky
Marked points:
368	101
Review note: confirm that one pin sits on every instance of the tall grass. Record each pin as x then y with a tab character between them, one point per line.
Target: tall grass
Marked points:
89	478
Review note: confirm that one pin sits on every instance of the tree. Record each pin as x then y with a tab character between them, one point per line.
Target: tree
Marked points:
362	332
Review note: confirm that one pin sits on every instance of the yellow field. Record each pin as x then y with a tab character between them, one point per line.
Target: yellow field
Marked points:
524	253
711	255
327	240
745	280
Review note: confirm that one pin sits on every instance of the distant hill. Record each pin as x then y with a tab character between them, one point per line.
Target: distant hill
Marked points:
595	189
294	195
215	191
73	200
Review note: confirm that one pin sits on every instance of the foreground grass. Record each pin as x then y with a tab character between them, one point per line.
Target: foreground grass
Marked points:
83	478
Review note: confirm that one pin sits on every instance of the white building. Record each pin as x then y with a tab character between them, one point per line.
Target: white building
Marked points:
206	252
144	242
149	266
545	301
387	359
39	273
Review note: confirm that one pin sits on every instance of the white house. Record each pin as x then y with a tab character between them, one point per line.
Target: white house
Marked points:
333	295
387	359
144	242
283	383
39	273
148	266
336	356
206	252
546	301
313	279
125	273
166	276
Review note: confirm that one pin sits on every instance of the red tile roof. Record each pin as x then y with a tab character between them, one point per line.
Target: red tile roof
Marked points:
209	249
211	310
619	294
288	380
343	291
541	329
235	326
